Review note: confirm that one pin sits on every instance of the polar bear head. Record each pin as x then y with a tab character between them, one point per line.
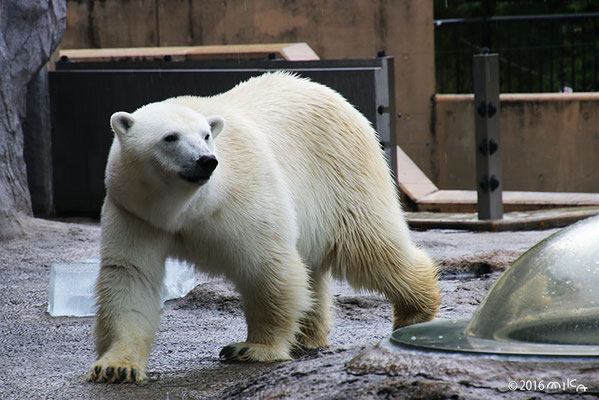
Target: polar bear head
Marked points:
169	142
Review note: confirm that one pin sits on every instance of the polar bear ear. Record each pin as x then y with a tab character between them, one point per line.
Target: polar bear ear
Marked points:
121	122
217	124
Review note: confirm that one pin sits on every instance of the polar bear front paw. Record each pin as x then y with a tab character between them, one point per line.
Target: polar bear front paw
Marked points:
121	372
252	352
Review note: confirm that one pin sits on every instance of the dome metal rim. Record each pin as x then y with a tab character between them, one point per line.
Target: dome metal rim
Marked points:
448	335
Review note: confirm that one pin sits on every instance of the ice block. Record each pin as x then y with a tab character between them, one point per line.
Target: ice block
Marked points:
71	289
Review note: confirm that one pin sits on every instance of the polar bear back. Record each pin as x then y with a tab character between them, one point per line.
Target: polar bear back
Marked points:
328	153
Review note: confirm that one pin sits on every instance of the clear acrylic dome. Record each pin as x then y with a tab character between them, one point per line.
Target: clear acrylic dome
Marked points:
546	303
549	295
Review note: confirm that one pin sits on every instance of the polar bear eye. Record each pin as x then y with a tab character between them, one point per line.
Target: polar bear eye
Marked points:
207	136
171	137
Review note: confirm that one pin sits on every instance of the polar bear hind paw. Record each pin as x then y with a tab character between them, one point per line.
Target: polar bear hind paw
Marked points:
252	352
124	373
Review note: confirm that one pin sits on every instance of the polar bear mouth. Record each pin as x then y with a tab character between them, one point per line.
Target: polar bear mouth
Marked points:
195	178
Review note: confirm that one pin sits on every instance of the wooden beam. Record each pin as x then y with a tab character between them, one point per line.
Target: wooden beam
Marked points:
514	221
427	197
465	200
287	51
410	179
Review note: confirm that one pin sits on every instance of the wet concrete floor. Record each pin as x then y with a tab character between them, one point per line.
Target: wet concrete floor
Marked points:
45	357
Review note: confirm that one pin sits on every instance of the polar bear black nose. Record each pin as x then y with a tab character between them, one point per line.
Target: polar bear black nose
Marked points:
207	163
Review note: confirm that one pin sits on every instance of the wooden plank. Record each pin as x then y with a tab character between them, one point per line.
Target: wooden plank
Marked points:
299	52
551	198
465	200
515	221
428	197
411	179
288	51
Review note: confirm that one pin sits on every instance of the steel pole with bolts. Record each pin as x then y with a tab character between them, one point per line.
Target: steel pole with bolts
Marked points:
485	70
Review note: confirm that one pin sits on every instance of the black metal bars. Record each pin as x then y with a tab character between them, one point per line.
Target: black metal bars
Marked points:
538	53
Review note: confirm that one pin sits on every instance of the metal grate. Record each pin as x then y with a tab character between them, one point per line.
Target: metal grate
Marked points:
538	53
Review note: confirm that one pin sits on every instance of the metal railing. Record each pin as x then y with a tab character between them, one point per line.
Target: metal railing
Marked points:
538	53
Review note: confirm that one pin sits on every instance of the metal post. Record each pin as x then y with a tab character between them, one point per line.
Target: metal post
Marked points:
485	68
386	118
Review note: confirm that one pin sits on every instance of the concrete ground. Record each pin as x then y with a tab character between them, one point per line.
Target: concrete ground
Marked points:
45	357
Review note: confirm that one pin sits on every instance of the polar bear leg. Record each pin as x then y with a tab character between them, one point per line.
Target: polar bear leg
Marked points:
420	302
316	324
404	274
128	297
128	317
273	306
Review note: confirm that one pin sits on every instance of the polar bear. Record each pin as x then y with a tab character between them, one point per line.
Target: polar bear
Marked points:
277	185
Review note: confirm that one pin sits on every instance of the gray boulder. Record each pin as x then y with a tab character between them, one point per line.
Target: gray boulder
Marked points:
30	31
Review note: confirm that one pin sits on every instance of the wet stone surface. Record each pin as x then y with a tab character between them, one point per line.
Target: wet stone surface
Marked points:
46	357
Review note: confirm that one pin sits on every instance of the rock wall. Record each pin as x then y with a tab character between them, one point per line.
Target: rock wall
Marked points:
30	30
37	132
